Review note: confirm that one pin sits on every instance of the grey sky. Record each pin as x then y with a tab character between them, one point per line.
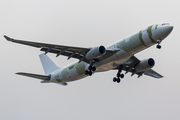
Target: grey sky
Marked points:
86	23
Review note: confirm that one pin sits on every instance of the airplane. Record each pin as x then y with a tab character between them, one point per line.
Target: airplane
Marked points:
117	56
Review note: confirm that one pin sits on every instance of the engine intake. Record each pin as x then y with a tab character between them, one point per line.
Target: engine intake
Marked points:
145	65
95	52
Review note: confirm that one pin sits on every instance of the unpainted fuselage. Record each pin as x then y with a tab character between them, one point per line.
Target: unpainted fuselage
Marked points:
126	47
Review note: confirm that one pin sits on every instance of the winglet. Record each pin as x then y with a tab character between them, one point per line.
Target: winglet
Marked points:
8	38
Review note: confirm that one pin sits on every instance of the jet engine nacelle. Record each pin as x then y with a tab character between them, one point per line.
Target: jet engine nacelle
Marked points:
95	52
145	65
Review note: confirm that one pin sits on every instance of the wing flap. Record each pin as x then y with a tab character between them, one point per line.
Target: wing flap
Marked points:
65	53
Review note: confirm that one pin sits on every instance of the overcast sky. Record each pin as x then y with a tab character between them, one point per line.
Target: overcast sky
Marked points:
87	23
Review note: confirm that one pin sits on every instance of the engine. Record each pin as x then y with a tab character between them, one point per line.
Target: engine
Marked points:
145	65
95	52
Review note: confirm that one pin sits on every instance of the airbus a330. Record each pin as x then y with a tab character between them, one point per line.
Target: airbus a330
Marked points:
117	56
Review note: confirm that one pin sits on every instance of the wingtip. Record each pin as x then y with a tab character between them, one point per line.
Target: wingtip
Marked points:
19	73
8	38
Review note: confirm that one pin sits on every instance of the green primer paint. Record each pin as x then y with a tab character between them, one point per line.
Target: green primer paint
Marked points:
71	67
57	79
122	44
156	26
134	41
117	45
150	34
130	44
141	39
65	74
80	67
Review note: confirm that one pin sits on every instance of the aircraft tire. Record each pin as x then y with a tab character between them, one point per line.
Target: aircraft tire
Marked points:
90	73
158	46
114	79
90	67
86	72
122	75
93	68
118	80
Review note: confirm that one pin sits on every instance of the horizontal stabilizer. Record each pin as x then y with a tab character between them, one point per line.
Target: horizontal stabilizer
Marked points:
41	77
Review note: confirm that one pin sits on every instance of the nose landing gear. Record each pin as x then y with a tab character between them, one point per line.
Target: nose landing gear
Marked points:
158	46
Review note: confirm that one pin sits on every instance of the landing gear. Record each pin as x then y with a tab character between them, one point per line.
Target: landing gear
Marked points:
158	46
118	80
90	68
89	72
119	75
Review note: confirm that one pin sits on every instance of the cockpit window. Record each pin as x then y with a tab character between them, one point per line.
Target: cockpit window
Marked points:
165	24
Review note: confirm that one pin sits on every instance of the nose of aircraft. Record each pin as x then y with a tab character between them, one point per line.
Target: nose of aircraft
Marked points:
165	31
168	29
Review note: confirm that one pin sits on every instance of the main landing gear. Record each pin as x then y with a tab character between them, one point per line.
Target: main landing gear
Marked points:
89	72
158	46
118	76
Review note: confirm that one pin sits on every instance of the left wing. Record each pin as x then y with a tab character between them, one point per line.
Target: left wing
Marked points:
69	51
130	64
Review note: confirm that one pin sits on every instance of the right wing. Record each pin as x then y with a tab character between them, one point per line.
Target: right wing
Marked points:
152	73
69	51
130	64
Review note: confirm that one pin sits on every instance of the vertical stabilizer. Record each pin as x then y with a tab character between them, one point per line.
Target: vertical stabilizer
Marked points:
48	65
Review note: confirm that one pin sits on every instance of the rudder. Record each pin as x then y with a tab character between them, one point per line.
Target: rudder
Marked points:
48	65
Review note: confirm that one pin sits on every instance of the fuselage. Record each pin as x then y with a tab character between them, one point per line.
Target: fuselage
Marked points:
126	47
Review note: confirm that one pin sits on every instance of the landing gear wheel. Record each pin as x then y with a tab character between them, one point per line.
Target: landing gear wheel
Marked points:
122	75
118	80
90	73
93	68
114	79
86	72
158	46
90	67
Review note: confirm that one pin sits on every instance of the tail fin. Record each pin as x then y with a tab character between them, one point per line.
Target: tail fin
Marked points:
48	65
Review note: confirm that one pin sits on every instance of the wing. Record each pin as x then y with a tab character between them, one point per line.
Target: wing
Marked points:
153	73
69	51
129	65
